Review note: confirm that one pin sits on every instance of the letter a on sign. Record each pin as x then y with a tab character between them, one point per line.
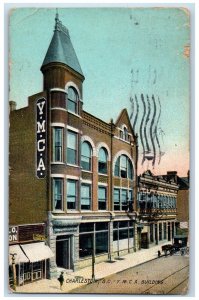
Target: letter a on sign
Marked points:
41	137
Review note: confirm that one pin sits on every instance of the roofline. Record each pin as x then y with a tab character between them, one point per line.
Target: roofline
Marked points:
61	64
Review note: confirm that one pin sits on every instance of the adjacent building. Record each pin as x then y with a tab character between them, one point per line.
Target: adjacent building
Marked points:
157	204
73	182
182	201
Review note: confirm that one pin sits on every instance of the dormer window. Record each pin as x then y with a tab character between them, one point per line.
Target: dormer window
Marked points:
124	135
72	103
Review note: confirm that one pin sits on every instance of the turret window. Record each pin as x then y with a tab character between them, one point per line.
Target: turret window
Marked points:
72	100
58	144
58	193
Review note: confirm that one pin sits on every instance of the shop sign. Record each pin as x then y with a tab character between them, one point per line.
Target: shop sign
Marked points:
41	138
13	234
39	237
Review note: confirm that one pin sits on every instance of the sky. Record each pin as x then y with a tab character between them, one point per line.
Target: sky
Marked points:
123	52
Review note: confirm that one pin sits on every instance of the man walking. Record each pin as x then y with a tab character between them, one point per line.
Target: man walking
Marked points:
61	279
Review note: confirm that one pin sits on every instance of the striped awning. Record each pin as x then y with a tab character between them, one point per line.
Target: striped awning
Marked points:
37	251
19	256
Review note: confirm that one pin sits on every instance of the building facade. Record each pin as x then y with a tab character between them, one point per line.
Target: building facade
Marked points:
72	171
182	201
157	204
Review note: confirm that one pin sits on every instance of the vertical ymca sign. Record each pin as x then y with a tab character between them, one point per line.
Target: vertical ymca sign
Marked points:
41	137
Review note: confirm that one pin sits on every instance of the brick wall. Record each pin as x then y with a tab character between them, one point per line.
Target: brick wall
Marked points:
27	193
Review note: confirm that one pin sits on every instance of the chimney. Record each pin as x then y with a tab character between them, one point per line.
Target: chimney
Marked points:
188	175
13	105
172	174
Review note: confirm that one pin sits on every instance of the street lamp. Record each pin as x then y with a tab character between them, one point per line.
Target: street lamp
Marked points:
93	260
14	270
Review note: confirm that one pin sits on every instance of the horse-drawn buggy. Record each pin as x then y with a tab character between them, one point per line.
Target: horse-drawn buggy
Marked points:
180	244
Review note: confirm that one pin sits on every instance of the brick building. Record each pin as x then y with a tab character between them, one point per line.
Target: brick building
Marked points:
182	201
70	171
157	203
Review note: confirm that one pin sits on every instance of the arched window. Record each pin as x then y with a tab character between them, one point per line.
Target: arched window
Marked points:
123	167
102	161
86	156
125	136
72	100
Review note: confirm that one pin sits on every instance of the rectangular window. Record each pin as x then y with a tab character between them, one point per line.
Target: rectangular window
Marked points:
123	234
58	193
86	196
165	230
71	194
116	199
124	199
151	233
160	231
86	227
85	244
101	226
102	198
130	200
72	148
57	144
101	242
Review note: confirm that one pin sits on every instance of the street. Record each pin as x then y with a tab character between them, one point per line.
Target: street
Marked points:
166	275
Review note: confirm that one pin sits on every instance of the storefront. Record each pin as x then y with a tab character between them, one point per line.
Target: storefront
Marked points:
28	254
28	262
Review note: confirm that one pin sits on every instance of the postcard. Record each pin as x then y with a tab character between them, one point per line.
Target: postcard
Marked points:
99	150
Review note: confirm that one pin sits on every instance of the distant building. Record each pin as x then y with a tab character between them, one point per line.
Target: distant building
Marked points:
157	204
182	200
73	177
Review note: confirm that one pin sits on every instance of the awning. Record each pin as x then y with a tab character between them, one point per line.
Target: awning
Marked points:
37	251
20	257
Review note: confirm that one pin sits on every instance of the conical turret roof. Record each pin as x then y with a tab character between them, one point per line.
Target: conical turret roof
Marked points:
61	49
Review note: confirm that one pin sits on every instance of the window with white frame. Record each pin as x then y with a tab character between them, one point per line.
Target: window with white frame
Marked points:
86	155
130	204
58	144
72	103
102	195
58	193
102	161
72	147
71	194
123	167
85	196
116	199
123	199
123	133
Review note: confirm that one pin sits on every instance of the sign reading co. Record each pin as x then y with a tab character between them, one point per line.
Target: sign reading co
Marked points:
13	234
41	137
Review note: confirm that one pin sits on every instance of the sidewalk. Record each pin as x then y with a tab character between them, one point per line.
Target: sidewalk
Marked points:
79	278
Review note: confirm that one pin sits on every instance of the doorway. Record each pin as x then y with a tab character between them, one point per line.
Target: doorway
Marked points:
63	252
144	240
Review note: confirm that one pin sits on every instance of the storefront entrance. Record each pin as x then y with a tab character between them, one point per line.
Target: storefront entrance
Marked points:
63	252
144	240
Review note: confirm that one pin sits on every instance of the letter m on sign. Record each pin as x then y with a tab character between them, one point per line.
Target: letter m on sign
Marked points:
40	133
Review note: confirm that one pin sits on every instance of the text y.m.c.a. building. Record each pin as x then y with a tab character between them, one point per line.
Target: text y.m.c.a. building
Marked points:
72	175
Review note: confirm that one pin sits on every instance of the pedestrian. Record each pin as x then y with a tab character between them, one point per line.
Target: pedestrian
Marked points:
159	253
61	279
